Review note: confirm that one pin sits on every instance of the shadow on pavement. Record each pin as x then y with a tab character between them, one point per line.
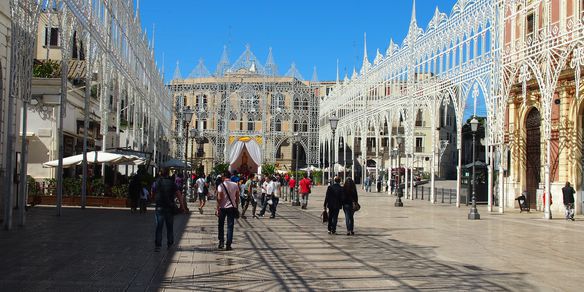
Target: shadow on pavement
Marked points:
294	253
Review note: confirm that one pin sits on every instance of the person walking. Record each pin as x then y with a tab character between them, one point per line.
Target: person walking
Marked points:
135	190
367	184
350	197
333	201
144	197
200	184
250	197
568	192
268	189
165	192
179	181
276	196
292	185
305	189
227	204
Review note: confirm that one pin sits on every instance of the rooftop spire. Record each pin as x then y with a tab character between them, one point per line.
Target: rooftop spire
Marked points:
366	64
337	71
314	76
137	9
223	64
413	20
271	67
177	75
200	71
293	72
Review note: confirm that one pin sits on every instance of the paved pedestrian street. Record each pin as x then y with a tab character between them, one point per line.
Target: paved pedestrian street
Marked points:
418	247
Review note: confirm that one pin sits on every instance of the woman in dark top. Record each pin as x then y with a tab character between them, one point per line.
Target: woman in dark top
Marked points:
349	196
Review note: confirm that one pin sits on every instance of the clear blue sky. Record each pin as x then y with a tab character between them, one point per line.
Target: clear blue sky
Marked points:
309	33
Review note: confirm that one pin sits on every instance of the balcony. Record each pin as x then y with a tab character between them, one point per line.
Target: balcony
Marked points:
419	149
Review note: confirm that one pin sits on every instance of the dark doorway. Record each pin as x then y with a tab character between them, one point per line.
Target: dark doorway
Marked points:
533	155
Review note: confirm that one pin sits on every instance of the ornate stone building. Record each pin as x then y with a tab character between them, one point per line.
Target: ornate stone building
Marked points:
246	114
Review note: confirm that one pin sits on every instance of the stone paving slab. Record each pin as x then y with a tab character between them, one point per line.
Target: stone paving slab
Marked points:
418	247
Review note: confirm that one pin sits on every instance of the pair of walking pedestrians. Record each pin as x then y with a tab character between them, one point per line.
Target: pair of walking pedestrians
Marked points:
344	197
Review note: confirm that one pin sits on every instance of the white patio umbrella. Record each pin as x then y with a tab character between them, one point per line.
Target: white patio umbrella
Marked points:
95	157
310	168
175	163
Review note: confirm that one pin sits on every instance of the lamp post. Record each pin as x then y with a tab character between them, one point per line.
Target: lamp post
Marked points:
188	116
474	213
193	133
398	201
334	123
296	139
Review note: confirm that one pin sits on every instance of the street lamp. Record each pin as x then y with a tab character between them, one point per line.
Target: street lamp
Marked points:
398	201
334	123
188	116
474	213
296	140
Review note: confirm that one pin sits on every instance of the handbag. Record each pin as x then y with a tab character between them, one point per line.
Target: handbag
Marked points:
236	212
356	207
324	216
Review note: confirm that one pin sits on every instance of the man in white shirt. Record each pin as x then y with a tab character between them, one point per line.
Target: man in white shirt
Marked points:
201	184
268	188
276	197
227	203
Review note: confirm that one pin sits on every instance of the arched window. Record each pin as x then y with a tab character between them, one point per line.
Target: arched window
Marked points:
250	124
278	125
297	102
296	126
305	126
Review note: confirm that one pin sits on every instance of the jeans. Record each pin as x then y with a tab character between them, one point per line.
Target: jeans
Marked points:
304	197
333	219
274	206
265	199
230	223
569	210
349	219
164	216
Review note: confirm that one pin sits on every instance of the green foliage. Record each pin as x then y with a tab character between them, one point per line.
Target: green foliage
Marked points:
120	191
51	185
72	186
97	188
268	169
220	168
317	176
425	175
33	187
47	69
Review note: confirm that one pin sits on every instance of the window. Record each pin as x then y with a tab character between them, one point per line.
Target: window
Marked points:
278	125
278	101
419	144
419	122
530	23
201	102
250	124
52	37
296	126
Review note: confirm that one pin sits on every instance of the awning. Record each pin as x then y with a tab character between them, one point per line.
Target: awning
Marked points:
95	157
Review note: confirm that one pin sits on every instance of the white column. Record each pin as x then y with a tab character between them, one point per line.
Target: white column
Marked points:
458	176
490	179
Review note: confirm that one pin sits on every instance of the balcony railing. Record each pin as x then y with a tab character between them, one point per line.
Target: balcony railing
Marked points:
419	149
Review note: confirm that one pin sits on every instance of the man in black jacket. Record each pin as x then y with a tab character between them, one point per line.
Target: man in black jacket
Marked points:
164	190
334	202
568	192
